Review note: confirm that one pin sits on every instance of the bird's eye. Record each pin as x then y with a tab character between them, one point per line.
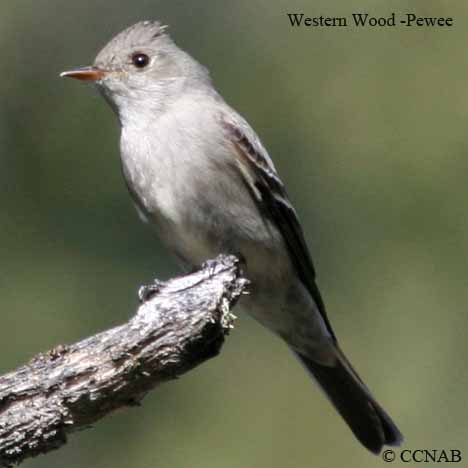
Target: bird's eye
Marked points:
140	60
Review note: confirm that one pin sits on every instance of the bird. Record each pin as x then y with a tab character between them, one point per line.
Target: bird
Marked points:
199	174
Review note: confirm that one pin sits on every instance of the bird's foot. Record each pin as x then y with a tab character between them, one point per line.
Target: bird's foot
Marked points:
145	293
210	267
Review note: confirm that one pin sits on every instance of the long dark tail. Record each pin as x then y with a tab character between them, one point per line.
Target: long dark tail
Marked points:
369	422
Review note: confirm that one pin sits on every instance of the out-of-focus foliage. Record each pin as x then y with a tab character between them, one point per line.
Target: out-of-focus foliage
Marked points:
367	128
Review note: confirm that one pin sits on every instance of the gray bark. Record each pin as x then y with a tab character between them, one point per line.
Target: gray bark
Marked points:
178	325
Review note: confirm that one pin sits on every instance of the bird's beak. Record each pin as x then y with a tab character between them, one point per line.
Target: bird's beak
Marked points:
85	74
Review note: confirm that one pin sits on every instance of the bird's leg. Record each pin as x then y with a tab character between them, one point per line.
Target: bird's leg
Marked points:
146	292
210	267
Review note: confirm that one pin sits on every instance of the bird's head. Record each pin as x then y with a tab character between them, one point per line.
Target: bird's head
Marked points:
141	68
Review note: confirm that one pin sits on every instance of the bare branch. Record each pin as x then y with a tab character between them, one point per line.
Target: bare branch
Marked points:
179	325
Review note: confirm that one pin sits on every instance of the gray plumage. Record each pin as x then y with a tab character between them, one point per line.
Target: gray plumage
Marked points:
199	174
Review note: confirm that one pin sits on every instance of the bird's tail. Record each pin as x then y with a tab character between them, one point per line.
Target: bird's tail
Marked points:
369	422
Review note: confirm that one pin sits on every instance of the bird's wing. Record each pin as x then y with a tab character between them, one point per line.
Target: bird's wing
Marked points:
270	196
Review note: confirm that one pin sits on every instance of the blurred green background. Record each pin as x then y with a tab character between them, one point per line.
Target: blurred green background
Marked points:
368	130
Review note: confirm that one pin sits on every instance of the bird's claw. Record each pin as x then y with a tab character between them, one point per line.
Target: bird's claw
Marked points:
210	267
146	292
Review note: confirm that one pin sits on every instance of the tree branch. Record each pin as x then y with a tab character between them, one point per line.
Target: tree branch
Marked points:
178	325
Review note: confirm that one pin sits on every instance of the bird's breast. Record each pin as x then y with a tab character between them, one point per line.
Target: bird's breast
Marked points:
185	182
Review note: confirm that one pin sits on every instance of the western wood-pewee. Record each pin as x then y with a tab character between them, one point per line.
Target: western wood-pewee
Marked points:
199	174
